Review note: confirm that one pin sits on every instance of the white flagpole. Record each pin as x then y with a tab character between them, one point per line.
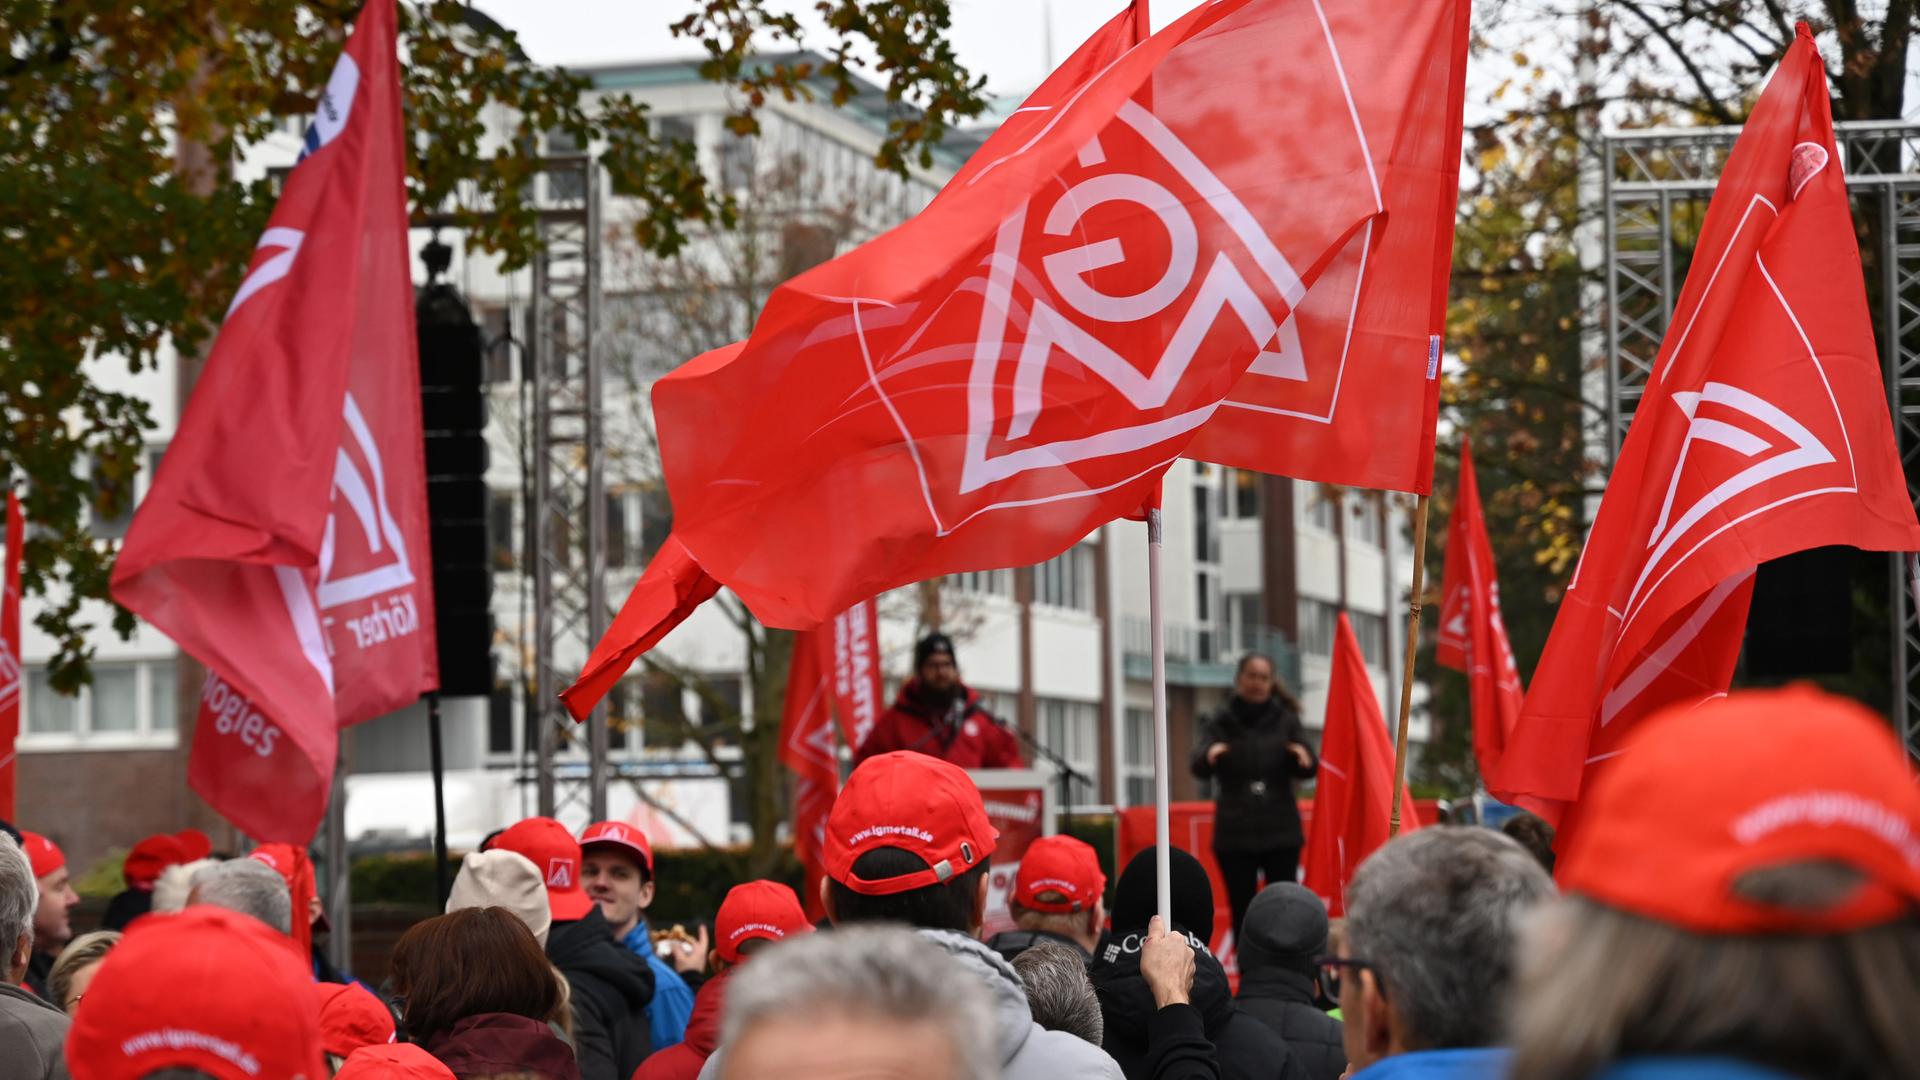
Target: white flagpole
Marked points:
1161	828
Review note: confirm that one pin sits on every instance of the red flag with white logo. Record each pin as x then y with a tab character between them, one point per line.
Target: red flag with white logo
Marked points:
1353	794
1473	638
284	541
1017	365
10	675
858	693
806	746
1763	431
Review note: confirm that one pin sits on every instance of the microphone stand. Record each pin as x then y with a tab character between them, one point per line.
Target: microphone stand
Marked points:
1063	770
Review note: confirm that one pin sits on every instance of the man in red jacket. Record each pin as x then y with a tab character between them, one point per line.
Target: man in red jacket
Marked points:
936	714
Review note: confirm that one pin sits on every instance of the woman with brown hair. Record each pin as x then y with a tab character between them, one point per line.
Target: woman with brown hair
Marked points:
476	990
1743	903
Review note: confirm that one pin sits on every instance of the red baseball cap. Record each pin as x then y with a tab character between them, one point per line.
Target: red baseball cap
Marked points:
351	1017
765	910
44	854
554	851
401	1061
207	989
1760	779
148	858
621	835
1059	864
193	844
914	802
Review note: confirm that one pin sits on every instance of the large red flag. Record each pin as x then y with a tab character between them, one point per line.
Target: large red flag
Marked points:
1353	796
10	652
984	385
284	542
806	746
858	691
1473	638
1763	431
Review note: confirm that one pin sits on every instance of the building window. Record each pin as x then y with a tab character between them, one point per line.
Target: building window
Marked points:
1066	580
501	549
1321	507
1363	521
1318	621
1136	766
133	703
1246	618
1206	538
1371	630
1072	730
1242	495
983	582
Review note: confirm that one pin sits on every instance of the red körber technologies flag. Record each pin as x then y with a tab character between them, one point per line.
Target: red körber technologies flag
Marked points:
10	674
1473	639
806	746
284	542
1353	795
1763	431
984	385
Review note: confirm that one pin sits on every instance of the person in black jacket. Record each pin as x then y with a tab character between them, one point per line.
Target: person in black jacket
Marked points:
610	985
1244	1048
1254	749
1284	935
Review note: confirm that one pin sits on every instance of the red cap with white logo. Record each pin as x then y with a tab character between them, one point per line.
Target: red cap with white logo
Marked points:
765	910
44	854
1063	865
913	802
1704	796
556	854
620	835
208	989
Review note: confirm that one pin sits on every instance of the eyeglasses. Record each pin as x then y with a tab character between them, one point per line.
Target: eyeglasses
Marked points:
1330	973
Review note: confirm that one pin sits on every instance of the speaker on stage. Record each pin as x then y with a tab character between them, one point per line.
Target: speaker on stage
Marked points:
1801	622
453	409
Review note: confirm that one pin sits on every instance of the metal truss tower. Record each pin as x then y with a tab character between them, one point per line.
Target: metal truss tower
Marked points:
1655	189
568	517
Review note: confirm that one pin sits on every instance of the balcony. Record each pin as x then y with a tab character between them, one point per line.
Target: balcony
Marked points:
1204	656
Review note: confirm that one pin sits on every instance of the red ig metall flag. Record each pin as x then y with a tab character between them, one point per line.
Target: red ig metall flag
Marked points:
10	674
284	542
1763	431
1353	795
858	692
1019	364
1473	638
807	747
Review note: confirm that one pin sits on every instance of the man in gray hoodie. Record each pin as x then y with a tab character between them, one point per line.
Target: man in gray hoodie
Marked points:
908	842
32	1032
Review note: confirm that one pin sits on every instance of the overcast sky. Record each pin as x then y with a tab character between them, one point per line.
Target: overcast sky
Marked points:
1006	40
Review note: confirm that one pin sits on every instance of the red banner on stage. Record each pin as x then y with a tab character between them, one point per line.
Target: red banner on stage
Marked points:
1018	805
806	747
1763	431
10	652
859	695
284	541
1473	638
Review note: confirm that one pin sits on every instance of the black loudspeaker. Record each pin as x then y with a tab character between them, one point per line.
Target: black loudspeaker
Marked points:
453	409
1801	622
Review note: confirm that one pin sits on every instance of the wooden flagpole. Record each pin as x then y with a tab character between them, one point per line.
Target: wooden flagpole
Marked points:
1406	671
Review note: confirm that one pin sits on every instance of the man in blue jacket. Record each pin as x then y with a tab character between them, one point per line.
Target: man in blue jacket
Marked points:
616	870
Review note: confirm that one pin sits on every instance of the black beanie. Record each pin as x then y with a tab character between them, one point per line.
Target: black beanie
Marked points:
1135	898
935	642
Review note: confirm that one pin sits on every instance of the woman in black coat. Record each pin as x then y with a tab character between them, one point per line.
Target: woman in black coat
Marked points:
1254	749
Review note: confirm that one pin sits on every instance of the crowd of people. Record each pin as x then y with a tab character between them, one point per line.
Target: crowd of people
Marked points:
1738	897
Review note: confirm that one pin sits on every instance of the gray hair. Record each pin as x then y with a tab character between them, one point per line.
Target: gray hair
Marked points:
887	973
175	884
249	887
1437	915
19	896
1597	984
1059	991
